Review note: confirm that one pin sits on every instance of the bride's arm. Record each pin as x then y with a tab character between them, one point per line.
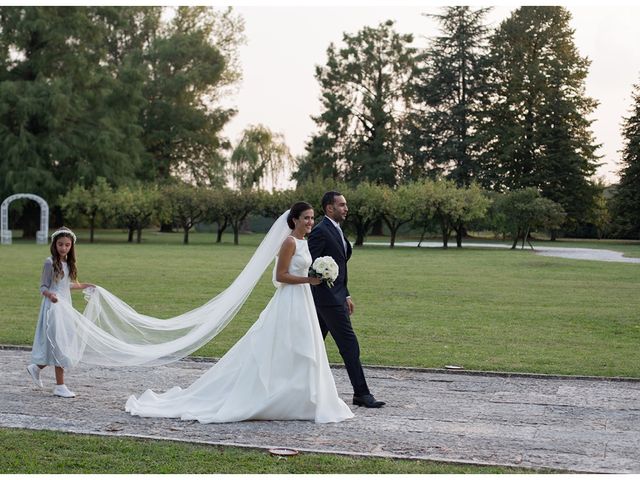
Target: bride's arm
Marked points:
287	250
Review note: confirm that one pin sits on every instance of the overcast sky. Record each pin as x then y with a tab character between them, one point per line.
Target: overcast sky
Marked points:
285	43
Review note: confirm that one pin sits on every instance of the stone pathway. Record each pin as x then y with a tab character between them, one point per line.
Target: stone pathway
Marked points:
597	254
574	424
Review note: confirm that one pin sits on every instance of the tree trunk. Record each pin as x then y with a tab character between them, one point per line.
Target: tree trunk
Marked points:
130	234
424	231
92	227
392	241
221	228
236	231
445	238
360	232
515	240
139	238
185	240
459	238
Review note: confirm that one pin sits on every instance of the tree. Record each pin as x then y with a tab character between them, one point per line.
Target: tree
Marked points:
89	202
451	207
318	162
538	126
259	158
182	124
626	202
442	199
600	215
364	90
423	206
396	208
68	113
313	189
471	204
450	95
365	204
216	212
273	204
135	206
239	204
183	205
526	210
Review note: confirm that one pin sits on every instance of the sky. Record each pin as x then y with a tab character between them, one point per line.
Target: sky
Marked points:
285	42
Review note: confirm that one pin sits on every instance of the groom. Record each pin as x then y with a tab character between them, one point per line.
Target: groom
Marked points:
334	305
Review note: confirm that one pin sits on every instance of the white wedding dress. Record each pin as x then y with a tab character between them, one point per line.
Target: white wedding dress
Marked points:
277	371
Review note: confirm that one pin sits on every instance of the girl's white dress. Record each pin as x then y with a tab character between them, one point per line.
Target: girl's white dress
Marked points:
277	371
44	350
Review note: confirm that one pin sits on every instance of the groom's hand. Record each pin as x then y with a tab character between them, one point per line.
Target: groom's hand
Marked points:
350	306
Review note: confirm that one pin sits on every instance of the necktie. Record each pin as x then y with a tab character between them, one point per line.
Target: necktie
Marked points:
344	241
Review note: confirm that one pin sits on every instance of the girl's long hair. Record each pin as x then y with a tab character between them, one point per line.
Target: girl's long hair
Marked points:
58	272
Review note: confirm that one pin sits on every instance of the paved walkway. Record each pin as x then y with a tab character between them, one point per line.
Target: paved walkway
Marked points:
597	254
574	424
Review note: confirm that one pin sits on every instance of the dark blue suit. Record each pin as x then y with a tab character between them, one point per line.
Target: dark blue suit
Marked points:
331	303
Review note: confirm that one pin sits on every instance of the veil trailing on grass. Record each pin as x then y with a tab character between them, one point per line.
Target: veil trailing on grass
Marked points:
109	332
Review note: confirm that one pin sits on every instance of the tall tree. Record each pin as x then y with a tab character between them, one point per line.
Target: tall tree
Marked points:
450	95
182	120
538	126
68	111
365	88
626	202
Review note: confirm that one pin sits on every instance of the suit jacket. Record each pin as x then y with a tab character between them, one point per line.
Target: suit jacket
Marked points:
325	240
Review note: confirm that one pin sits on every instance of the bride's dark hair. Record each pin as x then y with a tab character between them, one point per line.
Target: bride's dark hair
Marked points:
295	211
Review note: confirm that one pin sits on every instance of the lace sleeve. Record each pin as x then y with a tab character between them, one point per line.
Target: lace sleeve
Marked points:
47	276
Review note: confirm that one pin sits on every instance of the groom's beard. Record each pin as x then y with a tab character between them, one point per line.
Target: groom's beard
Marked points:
336	217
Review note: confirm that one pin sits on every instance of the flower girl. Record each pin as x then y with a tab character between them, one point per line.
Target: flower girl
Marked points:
59	276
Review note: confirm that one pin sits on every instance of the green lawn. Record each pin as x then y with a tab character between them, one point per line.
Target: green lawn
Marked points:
28	451
481	308
485	309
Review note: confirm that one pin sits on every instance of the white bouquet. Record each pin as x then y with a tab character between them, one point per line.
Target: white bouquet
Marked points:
325	268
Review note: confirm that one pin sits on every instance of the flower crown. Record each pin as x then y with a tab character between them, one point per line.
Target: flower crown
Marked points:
61	231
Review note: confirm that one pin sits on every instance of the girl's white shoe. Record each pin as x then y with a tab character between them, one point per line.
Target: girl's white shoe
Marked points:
34	371
63	391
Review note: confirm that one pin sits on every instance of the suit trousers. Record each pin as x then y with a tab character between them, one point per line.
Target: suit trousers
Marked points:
335	319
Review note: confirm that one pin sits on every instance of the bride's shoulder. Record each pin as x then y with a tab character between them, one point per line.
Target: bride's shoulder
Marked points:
288	247
290	241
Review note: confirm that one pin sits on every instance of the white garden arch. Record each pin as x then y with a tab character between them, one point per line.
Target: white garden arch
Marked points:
41	235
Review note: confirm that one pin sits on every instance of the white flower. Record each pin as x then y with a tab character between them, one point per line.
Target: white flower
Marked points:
325	268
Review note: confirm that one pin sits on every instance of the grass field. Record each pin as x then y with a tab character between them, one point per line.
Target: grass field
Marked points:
27	451
485	309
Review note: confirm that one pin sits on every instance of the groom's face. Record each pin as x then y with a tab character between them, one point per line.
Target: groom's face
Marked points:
338	209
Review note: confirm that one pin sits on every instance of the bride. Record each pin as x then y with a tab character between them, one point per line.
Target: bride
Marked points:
278	370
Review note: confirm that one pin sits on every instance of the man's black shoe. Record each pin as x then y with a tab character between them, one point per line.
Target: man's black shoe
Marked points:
368	401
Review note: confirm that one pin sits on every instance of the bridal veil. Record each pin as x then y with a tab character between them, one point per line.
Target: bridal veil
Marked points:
109	332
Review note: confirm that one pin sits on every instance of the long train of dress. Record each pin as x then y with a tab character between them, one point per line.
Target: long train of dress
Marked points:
277	371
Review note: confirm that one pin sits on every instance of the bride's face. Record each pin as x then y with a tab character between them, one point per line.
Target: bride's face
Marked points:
304	224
